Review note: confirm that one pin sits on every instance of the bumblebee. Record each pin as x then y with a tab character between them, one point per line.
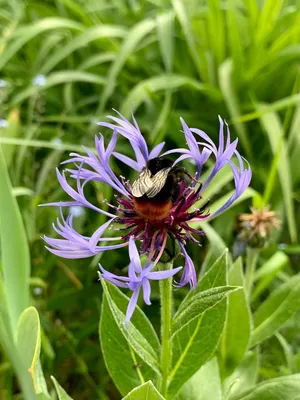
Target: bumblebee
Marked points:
156	188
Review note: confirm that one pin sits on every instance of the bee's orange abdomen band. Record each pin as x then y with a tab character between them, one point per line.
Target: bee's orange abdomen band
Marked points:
152	211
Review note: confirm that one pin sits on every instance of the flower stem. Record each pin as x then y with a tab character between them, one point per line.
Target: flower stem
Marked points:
166	321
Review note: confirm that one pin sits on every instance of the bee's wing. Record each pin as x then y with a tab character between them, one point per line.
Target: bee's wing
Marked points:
142	183
158	182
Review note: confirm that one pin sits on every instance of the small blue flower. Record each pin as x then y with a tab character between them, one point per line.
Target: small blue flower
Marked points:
39	80
3	123
3	83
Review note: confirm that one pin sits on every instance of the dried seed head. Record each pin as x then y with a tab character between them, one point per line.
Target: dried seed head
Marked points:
258	224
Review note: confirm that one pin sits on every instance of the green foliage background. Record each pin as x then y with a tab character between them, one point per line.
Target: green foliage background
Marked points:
162	59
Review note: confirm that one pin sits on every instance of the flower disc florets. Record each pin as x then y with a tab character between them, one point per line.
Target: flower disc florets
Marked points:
161	204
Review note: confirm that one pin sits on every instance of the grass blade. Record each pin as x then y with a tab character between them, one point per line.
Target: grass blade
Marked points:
90	35
134	37
14	249
272	126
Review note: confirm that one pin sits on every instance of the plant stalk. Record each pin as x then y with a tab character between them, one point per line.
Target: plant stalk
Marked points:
166	323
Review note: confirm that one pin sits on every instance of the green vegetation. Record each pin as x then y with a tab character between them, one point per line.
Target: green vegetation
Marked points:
63	66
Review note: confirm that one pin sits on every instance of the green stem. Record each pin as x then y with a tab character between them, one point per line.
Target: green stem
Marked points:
166	322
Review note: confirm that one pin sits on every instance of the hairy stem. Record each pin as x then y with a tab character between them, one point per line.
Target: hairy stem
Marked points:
166	321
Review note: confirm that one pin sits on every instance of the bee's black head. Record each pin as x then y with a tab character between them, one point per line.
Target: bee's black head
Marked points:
156	164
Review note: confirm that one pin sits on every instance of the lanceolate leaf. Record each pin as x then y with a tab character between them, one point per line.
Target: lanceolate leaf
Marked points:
147	391
29	347
244	376
15	264
134	337
214	277
204	385
275	132
283	388
62	394
125	366
196	342
133	38
199	304
236	335
276	310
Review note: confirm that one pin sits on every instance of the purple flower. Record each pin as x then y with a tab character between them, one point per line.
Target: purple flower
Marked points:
138	278
135	220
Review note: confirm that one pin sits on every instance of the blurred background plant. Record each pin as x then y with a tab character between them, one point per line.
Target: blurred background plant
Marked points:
63	66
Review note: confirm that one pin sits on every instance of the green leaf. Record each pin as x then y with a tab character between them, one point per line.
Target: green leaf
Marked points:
236	335
141	92
217	243
244	377
235	38
274	130
267	17
24	34
141	328
133	38
11	131
232	102
147	391
214	277
43	144
197	54
205	384
276	106
276	310
165	33
268	271
283	388
58	78
14	250
90	35
125	367
196	342
200	303
62	394
8	345
29	347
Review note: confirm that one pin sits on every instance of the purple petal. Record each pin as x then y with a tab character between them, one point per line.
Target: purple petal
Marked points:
112	144
156	150
119	281
131	305
78	196
62	204
71	254
189	273
97	235
128	161
159	275
191	141
132	133
221	136
134	255
146	291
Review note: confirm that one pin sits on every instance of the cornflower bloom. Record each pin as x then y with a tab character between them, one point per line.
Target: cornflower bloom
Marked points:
142	214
